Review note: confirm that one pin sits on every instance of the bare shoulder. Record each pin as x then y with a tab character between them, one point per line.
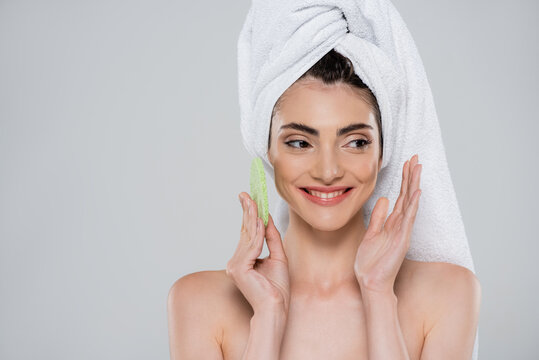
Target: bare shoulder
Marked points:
437	271
200	283
444	278
443	286
193	309
208	295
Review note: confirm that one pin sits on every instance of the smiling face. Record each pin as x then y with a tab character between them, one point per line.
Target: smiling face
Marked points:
324	136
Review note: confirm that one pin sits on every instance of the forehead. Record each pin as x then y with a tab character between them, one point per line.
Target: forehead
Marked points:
324	107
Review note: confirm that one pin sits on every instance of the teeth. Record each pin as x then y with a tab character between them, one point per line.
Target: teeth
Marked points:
325	195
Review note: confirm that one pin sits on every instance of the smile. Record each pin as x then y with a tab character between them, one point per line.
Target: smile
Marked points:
326	198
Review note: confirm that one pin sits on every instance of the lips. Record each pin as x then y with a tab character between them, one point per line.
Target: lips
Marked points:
326	189
326	201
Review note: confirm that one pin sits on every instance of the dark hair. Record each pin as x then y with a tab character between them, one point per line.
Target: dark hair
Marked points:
335	68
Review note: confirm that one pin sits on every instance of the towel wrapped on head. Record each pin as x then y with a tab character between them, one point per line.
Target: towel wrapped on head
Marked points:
282	39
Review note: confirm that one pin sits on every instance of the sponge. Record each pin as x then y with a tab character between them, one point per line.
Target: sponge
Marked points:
259	192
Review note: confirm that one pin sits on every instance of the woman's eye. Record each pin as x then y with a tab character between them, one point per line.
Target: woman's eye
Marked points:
361	142
296	141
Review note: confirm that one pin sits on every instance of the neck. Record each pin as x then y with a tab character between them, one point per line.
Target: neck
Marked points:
322	260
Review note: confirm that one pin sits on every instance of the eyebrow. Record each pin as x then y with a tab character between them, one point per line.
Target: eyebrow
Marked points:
312	131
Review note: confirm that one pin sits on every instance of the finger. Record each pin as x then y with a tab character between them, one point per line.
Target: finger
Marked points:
410	213
397	209
249	219
414	185
250	245
418	179
413	163
378	216
274	241
258	241
404	186
245	229
248	234
414	160
253	219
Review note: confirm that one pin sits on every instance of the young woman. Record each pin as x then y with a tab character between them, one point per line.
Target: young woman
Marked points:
331	288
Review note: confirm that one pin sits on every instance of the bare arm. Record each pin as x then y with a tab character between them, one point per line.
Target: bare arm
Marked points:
451	334
384	334
265	336
193	334
455	296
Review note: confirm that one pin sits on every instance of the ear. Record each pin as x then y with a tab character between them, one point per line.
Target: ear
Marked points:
380	163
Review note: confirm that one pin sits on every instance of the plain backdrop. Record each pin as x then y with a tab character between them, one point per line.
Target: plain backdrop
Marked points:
121	162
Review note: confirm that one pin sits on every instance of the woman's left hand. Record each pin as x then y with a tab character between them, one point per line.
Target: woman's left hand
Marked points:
384	246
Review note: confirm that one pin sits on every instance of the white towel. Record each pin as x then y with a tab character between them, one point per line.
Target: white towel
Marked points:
281	39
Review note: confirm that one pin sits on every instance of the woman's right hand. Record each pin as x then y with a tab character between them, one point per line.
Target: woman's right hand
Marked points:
264	282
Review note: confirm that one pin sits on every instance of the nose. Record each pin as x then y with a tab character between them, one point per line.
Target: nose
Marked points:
327	168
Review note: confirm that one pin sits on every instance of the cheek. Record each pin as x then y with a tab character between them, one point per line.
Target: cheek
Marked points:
367	171
288	167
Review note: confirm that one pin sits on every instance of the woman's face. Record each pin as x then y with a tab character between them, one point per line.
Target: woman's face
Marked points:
321	155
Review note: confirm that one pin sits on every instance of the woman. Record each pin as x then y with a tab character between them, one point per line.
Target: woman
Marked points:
330	288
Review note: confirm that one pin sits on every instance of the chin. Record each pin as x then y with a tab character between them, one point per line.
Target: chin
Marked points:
327	223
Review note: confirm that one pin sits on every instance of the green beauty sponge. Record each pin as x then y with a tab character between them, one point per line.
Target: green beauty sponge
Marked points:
259	192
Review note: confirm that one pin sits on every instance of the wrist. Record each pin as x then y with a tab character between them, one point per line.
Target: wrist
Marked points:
266	332
373	290
273	314
271	324
378	298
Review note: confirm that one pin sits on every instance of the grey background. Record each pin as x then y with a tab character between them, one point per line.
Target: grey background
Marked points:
121	162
